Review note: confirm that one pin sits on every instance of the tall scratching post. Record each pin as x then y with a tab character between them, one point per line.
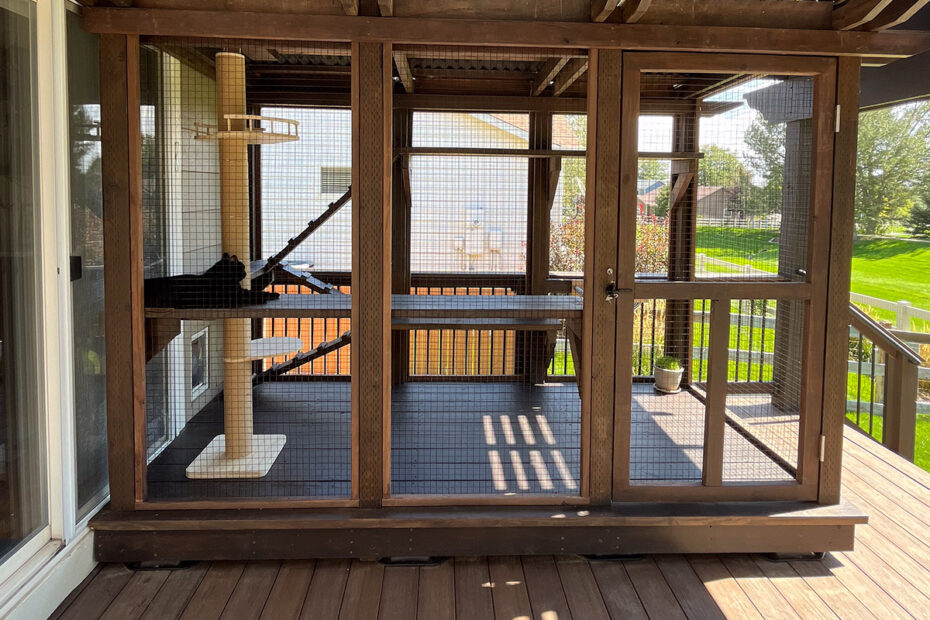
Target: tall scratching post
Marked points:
238	453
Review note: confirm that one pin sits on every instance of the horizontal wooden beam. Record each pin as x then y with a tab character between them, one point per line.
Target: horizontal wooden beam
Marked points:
490	52
489	103
221	24
721	289
491	152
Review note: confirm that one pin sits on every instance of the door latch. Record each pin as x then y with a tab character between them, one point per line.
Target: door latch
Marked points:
612	291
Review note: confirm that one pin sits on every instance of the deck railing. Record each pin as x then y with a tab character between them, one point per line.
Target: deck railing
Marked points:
883	382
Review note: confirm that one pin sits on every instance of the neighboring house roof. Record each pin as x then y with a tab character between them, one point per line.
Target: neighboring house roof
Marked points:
563	135
704	191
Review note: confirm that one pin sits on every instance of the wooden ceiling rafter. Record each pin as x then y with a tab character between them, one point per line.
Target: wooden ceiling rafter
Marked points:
386	8
601	9
547	74
489	52
404	75
350	7
631	11
855	13
572	70
895	14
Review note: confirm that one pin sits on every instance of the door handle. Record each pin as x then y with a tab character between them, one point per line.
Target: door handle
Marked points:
612	292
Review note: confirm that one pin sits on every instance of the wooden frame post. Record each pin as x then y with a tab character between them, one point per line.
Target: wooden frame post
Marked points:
536	344
371	270
402	136
682	216
837	309
716	401
121	160
601	211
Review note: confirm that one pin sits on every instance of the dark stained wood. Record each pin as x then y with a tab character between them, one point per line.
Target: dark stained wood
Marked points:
656	596
472	589
603	193
252	590
436	591
581	588
547	74
174	595
477	32
211	596
399	593
568	75
99	593
289	590
881	578
898	12
601	9
371	267
855	13
833	410
633	11
619	594
136	595
121	158
324	597
508	588
544	587
690	593
363	591
714	417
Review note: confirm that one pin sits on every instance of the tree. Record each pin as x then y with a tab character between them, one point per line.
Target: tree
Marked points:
662	198
893	153
654	170
720	168
918	221
766	157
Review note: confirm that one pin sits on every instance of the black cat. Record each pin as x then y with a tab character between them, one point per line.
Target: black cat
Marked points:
217	287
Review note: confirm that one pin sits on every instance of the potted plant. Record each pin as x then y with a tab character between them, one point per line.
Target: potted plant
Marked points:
668	374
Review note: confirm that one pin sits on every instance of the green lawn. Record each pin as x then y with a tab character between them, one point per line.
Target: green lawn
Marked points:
892	269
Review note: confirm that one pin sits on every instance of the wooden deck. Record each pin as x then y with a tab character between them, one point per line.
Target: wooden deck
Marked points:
886	577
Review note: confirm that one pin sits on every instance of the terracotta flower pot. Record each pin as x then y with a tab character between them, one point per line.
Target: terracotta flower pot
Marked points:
668	380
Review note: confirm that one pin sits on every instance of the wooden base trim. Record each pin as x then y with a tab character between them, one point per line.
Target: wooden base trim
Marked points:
767	527
484	500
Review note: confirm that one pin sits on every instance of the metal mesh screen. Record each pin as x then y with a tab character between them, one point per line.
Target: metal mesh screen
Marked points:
765	375
247	231
723	187
484	404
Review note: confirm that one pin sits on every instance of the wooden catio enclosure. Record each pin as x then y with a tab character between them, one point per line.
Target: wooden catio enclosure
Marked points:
396	286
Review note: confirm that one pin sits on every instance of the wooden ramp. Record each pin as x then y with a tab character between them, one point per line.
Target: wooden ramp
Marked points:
885	577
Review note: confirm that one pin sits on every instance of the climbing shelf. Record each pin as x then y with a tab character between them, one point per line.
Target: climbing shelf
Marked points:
250	128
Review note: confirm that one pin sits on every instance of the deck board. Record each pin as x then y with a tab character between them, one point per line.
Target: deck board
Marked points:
885	577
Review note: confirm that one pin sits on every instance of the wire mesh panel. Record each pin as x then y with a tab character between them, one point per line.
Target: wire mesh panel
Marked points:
723	193
247	238
475	410
765	378
668	418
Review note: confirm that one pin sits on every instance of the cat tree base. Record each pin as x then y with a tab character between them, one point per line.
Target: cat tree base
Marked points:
213	462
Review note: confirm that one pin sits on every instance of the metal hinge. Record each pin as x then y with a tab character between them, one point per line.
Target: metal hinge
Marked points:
838	110
823	447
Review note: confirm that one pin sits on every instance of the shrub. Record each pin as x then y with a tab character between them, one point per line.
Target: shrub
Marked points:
666	362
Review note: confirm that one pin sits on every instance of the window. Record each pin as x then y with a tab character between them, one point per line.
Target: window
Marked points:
335	180
23	492
200	363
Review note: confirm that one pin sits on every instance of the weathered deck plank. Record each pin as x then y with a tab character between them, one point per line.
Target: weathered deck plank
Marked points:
884	578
